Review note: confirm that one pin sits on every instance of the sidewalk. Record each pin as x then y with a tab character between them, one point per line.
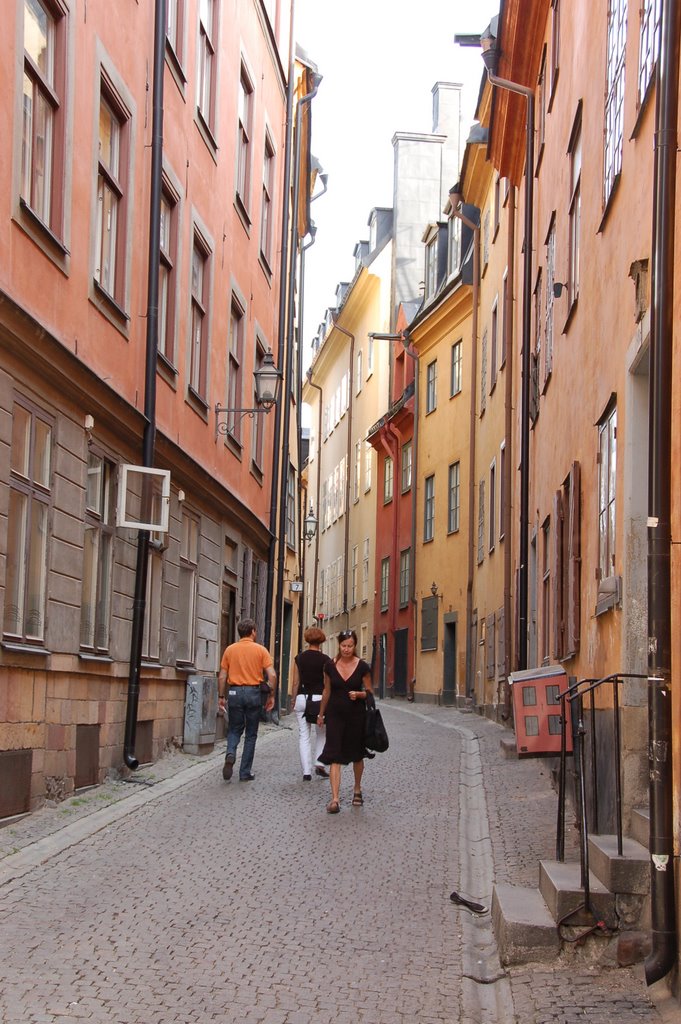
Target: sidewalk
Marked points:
444	811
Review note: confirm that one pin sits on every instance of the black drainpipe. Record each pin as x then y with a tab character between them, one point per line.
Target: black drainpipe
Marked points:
302	509
149	436
319	484
661	841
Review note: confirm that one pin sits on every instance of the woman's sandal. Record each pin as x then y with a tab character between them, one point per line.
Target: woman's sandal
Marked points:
357	799
333	807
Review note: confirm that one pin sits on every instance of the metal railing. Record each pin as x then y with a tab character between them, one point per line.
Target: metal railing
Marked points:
574	697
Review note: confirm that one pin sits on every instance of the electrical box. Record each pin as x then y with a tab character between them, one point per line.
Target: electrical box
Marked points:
537	712
200	714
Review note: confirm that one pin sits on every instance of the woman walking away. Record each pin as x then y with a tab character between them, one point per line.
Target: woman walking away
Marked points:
347	681
308	681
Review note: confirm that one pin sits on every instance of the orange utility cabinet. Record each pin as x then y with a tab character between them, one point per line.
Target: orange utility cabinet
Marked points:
536	710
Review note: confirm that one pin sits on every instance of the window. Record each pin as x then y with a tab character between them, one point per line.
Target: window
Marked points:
207	62
502	490
483	373
456	370
535	354
388	473
454	498
267	197
27	524
291	508
175	28
151	639
189	570
42	150
497	203
405	575
429	509
546	590
550	278
492	506
575	209
607	470
481	521
504	324
353	577
235	356
406	466
95	608
368	458
359	373
112	180
365	570
429	614
199	317
385	584
485	240
614	95
370	356
431	386
454	244
258	429
493	342
358	471
541	110
166	282
555	47
566	566
243	168
431	268
649	45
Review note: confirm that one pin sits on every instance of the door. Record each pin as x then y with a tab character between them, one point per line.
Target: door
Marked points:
400	663
286	652
449	664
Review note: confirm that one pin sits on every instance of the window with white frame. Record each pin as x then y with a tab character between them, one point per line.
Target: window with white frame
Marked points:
492	506
649	44
405	576
365	570
429	509
353	576
189	571
175	28
385	584
481	521
357	476
454	498
207	62
27	524
456	369
98	541
555	47
43	107
575	208
243	158
431	267
167	276
368	462
266	211
235	358
406	466
388	474
199	317
431	386
454	244
493	345
358	375
607	486
291	508
614	95
483	372
112	185
370	356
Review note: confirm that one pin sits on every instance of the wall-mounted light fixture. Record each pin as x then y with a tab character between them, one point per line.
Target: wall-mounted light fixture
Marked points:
267	386
310	524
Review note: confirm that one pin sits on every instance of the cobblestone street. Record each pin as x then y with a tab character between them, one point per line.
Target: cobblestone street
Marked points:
199	900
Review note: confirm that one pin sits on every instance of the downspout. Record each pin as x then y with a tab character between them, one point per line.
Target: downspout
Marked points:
281	334
660	732
319	485
351	398
521	90
302	503
287	388
508	475
414	477
149	436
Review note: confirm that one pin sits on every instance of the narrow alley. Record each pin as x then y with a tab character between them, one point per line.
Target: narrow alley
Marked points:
209	901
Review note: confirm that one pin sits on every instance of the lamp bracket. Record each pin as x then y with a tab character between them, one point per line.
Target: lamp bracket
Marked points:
225	427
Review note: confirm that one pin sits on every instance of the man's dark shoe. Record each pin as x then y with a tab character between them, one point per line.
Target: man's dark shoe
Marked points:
307	778
246	778
322	772
228	766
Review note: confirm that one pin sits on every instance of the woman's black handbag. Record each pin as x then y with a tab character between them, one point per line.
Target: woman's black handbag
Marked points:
375	733
312	707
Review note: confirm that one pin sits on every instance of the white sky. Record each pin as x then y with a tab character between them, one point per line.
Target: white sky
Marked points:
379	60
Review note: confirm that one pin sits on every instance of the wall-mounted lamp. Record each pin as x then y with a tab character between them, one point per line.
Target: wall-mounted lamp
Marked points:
267	385
558	287
310	524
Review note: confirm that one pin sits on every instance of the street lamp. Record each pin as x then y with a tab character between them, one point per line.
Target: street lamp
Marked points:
267	384
310	524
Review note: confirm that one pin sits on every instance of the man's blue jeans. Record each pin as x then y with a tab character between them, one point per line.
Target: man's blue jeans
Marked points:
243	706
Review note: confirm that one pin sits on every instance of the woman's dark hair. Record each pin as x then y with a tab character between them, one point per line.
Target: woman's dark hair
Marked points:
346	634
314	635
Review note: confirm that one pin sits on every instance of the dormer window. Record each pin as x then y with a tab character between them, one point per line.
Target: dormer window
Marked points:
431	266
454	246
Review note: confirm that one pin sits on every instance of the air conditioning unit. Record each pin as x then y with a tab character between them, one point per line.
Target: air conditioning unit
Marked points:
200	714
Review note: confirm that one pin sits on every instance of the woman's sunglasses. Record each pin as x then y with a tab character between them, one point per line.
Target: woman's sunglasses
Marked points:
346	634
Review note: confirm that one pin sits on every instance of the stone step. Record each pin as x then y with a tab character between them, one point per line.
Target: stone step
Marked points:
629	873
560	886
523	927
640	825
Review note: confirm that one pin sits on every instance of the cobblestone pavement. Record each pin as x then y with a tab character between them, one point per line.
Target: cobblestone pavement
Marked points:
191	899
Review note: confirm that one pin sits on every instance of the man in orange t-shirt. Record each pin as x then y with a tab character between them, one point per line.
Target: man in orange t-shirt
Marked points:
242	670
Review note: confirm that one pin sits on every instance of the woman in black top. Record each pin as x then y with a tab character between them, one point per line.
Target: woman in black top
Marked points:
347	680
308	681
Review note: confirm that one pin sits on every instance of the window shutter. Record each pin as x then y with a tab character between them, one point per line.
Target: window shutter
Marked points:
429	624
490	645
501	644
557	576
574	563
